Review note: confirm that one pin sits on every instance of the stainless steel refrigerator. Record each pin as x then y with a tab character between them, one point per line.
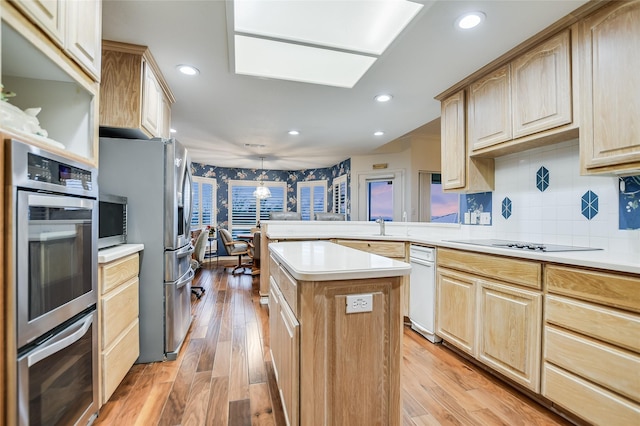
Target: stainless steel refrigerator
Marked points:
155	176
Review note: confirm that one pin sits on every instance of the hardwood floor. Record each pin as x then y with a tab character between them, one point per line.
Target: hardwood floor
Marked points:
224	376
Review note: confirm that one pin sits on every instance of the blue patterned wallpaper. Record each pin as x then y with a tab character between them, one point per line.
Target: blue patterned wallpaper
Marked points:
629	207
223	175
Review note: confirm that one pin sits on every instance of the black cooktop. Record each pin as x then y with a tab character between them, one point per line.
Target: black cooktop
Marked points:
523	245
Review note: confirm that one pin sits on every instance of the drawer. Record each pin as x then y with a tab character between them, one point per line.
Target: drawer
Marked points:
606	324
615	369
383	248
289	288
117	272
119	309
118	359
515	271
587	400
610	289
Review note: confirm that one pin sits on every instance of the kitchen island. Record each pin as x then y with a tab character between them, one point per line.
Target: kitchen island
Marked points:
336	333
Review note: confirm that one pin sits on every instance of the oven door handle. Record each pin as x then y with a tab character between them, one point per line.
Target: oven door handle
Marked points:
56	201
58	343
185	279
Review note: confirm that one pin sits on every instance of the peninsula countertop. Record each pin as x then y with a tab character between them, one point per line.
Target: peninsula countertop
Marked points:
326	261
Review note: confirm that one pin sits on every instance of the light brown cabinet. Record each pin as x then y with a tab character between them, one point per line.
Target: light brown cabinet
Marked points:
541	87
610	81
531	94
459	171
592	346
490	307
490	109
74	25
134	97
509	331
118	338
315	345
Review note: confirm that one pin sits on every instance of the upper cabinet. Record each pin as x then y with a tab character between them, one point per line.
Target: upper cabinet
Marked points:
610	95
530	95
73	25
459	171
135	100
49	61
490	109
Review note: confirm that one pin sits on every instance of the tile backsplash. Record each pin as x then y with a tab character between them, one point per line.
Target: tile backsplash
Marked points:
541	197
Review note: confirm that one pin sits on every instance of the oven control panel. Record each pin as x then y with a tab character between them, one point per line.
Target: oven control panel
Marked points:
44	169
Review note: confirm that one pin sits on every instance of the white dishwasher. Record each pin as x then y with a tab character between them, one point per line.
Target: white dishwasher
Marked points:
422	291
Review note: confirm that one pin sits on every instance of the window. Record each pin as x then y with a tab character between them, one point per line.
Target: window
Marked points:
435	205
380	199
312	198
340	195
245	210
380	195
203	202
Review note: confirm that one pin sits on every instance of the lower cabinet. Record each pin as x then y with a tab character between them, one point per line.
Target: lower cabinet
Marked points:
118	337
592	351
496	322
334	367
285	343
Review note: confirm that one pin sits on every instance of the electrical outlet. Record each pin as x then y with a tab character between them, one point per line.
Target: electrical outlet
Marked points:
359	303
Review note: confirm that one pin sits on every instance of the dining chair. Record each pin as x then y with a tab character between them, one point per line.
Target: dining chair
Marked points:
234	248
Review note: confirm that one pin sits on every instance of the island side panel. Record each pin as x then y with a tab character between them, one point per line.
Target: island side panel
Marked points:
350	363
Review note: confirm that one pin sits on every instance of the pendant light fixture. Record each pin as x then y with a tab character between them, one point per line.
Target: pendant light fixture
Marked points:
262	191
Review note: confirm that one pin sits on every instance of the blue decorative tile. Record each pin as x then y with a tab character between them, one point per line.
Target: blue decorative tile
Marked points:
542	179
589	205
629	203
506	208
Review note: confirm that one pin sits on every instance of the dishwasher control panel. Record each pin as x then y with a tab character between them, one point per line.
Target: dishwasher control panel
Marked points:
426	254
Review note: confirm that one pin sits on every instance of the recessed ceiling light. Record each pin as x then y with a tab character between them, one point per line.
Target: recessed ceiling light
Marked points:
294	132
378	133
172	130
470	20
383	98
188	70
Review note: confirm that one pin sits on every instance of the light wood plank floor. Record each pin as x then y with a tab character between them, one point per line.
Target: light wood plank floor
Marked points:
223	375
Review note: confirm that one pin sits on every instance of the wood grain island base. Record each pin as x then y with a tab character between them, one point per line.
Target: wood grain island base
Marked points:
336	331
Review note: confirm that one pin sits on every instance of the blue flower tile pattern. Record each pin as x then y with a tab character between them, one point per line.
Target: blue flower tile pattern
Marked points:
629	204
506	208
589	204
542	179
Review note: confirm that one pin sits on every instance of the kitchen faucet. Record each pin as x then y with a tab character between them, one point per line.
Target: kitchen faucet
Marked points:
380	221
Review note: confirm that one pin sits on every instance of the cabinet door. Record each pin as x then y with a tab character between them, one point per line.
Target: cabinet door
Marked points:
274	326
509	338
490	109
541	87
610	99
84	34
289	330
454	146
49	15
456	309
166	118
151	102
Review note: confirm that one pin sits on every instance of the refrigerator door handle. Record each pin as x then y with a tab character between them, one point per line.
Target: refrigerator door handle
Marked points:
185	251
185	279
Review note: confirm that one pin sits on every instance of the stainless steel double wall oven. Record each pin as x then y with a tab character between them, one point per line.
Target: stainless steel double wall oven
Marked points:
53	238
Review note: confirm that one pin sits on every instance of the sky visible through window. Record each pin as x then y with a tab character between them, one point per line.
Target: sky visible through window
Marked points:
444	206
381	200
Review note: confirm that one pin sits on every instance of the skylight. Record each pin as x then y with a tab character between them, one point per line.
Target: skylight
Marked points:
339	40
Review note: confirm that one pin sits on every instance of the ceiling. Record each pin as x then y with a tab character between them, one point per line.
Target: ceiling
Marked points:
218	112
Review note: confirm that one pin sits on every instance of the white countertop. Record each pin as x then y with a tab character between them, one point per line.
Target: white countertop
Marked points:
439	236
325	261
116	252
